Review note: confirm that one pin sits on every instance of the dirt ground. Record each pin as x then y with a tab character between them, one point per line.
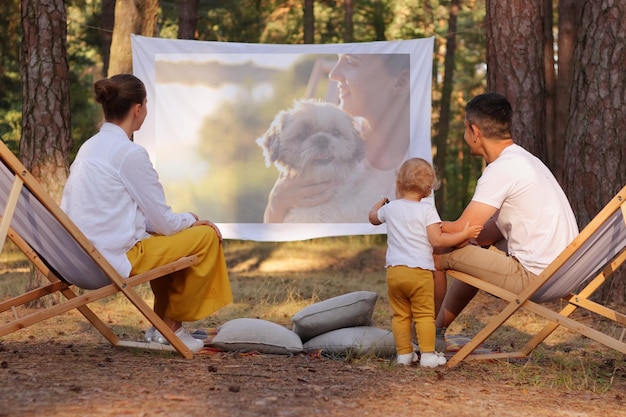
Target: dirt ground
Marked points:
63	367
76	373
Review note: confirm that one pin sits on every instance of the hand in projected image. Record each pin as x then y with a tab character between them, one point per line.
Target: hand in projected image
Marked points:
290	192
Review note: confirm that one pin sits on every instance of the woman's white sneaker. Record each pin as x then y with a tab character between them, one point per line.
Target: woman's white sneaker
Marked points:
194	345
148	334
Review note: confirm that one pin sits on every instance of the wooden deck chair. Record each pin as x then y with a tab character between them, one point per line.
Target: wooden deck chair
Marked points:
587	262
57	248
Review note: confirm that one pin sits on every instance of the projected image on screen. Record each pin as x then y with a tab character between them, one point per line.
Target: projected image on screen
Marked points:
283	138
283	142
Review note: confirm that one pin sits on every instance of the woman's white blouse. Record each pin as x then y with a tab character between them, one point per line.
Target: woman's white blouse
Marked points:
114	196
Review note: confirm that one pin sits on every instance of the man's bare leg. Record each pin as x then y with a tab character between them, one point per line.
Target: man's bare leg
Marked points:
441	285
458	295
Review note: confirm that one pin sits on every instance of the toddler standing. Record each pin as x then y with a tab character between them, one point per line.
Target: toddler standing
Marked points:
413	229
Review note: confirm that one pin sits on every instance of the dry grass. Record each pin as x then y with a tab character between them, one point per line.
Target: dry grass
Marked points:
272	281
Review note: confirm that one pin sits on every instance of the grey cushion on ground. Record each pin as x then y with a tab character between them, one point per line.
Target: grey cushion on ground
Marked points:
256	335
348	310
356	341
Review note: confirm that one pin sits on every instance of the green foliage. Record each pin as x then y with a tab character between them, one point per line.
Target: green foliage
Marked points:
469	79
10	83
85	68
83	60
268	21
234	20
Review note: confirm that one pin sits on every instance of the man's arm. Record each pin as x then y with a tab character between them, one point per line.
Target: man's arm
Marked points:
476	214
490	234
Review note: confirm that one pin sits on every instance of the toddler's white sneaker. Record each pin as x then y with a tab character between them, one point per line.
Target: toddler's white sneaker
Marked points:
432	359
407	358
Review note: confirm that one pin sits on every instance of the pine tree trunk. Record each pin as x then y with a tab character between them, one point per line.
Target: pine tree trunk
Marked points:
443	126
596	149
569	16
379	21
348	32
187	19
309	21
46	133
515	66
106	34
550	82
131	16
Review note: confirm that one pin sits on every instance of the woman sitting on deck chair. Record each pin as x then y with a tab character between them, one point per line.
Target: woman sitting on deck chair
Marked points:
114	196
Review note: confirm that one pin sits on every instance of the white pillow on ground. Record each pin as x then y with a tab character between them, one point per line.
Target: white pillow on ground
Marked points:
356	341
348	310
256	335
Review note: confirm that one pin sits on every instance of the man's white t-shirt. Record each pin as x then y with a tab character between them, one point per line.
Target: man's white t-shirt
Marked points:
407	239
534	215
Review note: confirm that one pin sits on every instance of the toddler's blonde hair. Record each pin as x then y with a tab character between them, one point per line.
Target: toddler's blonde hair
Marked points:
417	175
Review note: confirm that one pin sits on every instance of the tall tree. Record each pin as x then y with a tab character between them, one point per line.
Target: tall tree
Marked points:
46	140
131	17
443	125
596	150
569	12
550	79
515	62
46	134
309	21
378	20
348	31
187	19
107	22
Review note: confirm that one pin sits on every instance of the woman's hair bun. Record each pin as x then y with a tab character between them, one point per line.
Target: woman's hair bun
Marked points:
105	90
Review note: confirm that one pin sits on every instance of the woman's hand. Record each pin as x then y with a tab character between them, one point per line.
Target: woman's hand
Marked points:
210	224
290	192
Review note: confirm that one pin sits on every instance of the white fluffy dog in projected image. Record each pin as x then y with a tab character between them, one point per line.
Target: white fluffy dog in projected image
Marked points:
317	140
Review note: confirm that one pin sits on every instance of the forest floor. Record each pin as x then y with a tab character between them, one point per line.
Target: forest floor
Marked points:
63	367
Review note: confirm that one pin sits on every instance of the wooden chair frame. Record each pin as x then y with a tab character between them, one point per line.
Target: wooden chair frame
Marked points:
615	211
24	186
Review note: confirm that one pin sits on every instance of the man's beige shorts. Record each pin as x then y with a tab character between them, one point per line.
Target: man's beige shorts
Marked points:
491	265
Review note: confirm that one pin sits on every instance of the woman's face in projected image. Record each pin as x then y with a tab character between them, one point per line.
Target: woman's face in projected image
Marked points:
365	85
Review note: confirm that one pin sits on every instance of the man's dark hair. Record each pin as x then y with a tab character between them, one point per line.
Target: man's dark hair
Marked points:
492	113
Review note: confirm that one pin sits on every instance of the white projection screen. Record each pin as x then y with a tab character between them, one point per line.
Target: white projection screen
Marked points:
317	130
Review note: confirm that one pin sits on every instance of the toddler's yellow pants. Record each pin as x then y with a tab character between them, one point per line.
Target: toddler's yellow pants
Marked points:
411	296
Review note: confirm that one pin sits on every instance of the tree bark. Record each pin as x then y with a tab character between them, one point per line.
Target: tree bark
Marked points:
187	19
309	21
443	126
107	23
131	16
46	133
515	66
379	21
348	32
569	17
595	151
550	81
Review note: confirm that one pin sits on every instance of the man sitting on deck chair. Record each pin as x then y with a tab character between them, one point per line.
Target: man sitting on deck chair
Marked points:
517	199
